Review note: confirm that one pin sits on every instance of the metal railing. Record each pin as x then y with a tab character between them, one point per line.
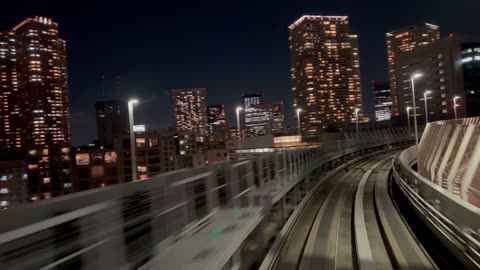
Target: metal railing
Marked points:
457	221
126	225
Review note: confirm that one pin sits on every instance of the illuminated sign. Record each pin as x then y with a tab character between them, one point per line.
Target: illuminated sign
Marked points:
139	128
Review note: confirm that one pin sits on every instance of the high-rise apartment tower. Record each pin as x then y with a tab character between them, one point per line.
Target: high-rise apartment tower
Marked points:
190	109
325	72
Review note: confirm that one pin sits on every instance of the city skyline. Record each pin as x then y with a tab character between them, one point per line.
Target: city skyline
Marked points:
275	84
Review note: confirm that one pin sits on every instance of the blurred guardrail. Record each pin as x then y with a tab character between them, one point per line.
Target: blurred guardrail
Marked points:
456	221
126	225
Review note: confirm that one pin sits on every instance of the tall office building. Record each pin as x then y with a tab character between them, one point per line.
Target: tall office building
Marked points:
382	100
216	122
450	68
35	116
325	72
112	121
258	120
404	40
278	117
190	109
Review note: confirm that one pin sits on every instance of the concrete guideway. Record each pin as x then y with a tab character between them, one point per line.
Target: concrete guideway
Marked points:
403	249
333	233
287	249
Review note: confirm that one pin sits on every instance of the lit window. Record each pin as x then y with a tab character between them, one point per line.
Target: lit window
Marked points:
32	166
140	142
3	203
3	190
467	59
46	180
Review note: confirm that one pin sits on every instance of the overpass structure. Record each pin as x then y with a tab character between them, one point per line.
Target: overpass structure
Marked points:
334	204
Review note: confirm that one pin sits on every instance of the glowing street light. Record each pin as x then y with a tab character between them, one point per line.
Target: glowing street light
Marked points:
133	154
412	78
298	122
426	106
455	105
239	128
408	117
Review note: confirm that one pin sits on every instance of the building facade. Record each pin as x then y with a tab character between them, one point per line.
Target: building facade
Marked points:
404	40
190	109
325	72
13	184
112	121
450	68
278	117
382	100
217	128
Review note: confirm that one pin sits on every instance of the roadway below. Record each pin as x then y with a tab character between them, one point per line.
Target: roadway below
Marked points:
324	235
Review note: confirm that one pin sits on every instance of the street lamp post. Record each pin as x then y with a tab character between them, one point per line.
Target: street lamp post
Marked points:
412	78
408	118
426	106
455	106
239	129
356	117
133	154
298	122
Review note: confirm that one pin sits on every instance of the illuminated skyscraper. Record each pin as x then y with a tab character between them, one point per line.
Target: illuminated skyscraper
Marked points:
42	75
325	72
216	122
405	40
190	109
36	94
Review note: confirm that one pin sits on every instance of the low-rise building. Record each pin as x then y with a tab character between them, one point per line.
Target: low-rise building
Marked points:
95	167
158	152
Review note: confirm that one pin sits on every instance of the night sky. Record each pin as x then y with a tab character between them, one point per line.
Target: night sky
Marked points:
229	47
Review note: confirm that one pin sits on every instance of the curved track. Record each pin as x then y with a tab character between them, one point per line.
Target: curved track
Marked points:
323	236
